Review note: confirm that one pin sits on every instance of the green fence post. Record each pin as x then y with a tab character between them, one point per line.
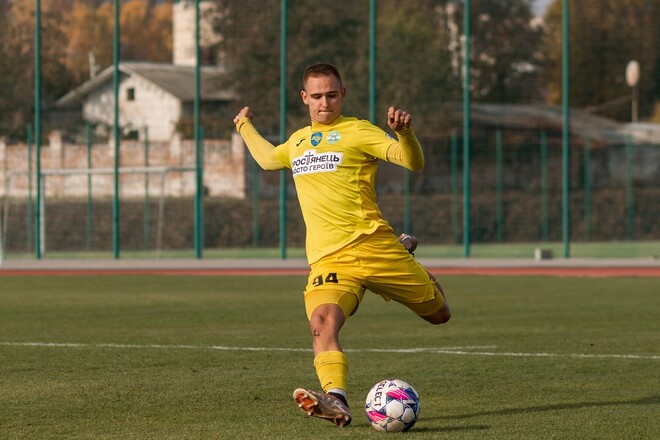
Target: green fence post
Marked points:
30	207
407	227
499	186
454	186
199	183
566	155
37	125
115	86
544	186
630	200
90	209
466	132
587	188
283	76
372	61
256	223
147	207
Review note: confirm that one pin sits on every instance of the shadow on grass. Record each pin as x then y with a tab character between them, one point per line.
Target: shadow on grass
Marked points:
650	400
451	428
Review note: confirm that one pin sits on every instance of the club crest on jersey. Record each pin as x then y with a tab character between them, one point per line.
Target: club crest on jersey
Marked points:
316	138
312	162
333	137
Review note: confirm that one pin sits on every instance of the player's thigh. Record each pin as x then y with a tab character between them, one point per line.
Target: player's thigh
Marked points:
330	285
397	276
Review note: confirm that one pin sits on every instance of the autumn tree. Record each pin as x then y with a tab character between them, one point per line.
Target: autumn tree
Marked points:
17	65
75	35
146	31
90	39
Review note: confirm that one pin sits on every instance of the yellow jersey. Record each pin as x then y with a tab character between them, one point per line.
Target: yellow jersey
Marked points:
334	169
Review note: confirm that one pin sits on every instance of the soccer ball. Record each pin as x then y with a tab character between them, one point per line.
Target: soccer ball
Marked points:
392	405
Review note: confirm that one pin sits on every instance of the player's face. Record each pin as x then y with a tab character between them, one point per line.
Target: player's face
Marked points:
323	95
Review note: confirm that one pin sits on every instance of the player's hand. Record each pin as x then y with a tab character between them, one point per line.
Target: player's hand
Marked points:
398	119
244	113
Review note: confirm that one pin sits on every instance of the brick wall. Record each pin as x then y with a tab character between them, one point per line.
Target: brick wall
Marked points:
224	168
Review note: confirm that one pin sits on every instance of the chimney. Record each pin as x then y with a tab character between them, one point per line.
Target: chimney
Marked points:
183	29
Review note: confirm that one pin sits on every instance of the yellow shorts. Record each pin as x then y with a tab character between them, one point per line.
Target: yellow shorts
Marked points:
379	263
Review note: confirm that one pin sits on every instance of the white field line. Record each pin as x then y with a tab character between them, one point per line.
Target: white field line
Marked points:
470	350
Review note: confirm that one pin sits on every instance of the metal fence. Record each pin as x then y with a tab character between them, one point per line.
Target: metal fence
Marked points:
538	121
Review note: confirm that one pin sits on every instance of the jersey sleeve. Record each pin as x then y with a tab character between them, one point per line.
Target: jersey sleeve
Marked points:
263	151
406	151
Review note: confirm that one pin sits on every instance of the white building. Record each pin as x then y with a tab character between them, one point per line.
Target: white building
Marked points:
157	96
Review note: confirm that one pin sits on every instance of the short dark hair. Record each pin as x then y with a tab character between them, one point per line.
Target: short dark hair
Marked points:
321	69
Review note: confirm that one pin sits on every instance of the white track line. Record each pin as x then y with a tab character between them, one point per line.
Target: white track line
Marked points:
460	351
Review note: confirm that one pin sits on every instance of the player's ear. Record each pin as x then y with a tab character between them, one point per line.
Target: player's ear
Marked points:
303	95
343	93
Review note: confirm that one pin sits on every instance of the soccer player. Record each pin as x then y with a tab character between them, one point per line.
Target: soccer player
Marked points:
350	246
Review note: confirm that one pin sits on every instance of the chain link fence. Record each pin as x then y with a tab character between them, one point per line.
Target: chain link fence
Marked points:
69	188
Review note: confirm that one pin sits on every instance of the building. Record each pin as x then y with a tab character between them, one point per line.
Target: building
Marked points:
156	97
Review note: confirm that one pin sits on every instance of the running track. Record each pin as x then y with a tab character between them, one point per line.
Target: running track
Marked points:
269	267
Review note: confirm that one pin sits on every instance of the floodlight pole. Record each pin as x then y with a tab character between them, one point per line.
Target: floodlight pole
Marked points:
632	79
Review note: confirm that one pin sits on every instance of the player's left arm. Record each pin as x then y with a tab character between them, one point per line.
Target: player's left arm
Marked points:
408	151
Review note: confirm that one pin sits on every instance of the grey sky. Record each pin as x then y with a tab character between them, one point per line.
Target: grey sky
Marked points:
539	6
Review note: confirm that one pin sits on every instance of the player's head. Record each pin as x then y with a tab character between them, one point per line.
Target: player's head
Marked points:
323	92
321	69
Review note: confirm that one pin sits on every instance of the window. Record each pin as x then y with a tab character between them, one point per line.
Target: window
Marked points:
130	94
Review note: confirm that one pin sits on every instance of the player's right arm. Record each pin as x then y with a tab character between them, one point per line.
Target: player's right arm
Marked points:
262	150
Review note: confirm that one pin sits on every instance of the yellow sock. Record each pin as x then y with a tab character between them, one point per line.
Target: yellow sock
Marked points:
332	369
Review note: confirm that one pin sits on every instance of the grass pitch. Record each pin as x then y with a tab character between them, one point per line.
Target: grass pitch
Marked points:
177	357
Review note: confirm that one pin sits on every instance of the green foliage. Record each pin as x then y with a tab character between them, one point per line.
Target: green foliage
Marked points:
505	52
603	40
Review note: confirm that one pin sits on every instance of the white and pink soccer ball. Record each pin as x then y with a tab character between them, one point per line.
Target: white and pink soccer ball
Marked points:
392	405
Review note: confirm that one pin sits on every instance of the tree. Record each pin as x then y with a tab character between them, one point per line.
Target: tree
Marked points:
90	41
412	59
505	55
142	37
414	63
17	69
603	39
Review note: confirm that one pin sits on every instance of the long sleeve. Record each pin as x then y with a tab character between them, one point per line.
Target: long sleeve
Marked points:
407	152
262	150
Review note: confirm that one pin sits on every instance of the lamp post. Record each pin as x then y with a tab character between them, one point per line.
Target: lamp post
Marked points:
632	79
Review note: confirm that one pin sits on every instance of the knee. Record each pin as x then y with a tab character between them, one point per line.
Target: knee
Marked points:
318	325
439	318
325	320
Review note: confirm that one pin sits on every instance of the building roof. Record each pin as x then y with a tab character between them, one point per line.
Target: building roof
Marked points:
544	117
175	79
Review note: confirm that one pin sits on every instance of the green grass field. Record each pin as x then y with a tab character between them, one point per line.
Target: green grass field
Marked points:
176	357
